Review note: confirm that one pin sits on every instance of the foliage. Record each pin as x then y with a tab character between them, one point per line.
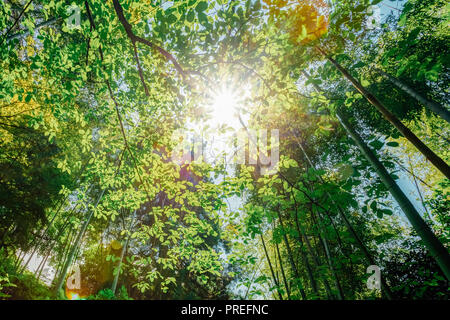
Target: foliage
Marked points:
90	122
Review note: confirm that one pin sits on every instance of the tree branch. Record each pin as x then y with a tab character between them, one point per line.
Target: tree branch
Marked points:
134	38
16	21
119	117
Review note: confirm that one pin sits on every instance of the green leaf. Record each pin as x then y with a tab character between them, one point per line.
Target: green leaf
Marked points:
190	16
201	6
171	19
379	214
203	19
377	144
392	144
365	83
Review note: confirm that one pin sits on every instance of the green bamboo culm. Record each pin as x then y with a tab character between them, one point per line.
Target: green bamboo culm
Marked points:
122	254
437	161
75	247
432	243
435	107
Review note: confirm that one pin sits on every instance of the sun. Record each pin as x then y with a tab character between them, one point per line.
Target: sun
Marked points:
224	109
220	120
226	106
226	97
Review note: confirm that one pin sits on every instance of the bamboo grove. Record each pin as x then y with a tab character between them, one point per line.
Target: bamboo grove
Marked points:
93	94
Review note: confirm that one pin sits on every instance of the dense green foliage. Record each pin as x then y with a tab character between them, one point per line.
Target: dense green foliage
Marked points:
94	95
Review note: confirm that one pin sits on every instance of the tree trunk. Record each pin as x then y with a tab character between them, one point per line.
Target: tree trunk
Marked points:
19	260
440	164
384	287
42	265
116	276
270	266
291	259
64	255
308	267
27	32
329	259
430	105
286	285
322	239
37	241
305	257
315	258
48	247
122	254
75	247
437	250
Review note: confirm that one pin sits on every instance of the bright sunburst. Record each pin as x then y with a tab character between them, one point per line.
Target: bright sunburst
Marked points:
223	110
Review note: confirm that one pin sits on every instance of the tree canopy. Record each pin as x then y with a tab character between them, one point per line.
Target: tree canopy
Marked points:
244	149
